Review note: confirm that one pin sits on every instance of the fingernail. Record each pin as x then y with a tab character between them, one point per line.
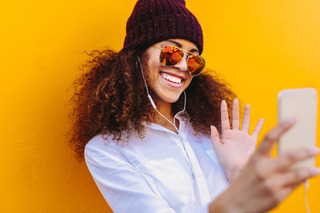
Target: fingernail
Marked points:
314	150
292	119
315	171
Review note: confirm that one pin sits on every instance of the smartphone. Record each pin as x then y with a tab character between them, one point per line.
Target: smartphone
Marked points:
301	104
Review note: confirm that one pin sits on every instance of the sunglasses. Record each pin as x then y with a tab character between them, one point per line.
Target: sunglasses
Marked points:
171	55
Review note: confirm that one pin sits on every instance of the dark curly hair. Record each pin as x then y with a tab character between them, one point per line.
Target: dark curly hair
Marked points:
110	97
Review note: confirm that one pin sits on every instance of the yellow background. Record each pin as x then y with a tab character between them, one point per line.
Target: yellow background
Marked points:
259	47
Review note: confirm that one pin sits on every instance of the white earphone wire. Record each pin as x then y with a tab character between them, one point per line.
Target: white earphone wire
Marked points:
154	105
174	118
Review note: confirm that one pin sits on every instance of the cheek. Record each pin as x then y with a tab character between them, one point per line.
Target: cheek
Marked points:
188	81
152	67
153	61
151	73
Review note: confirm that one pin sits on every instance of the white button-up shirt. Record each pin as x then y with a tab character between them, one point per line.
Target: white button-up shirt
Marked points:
162	172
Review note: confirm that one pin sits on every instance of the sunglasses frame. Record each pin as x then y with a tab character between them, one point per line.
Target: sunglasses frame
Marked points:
185	52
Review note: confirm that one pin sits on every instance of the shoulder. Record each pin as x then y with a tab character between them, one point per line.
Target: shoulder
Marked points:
99	142
106	146
104	154
100	146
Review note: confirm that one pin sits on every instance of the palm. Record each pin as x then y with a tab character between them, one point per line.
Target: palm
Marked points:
235	146
239	147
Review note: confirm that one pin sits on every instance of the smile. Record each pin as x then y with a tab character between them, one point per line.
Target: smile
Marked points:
171	78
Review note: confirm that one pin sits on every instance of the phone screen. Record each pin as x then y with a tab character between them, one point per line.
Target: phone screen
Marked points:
301	104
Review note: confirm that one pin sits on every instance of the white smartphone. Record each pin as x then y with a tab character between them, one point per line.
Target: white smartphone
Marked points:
301	104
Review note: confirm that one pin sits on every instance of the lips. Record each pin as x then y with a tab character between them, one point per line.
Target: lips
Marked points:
173	78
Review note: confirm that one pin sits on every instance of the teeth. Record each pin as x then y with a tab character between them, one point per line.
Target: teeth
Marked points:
171	78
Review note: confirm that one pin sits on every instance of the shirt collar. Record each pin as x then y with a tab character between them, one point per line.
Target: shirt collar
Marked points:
182	125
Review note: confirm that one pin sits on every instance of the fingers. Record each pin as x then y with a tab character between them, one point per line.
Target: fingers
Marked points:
269	140
286	160
257	129
282	184
215	136
225	124
293	178
246	119
282	163
235	114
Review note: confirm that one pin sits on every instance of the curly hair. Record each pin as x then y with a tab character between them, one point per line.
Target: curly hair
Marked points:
110	97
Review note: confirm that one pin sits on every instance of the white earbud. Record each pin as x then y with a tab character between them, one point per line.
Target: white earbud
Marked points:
152	103
149	96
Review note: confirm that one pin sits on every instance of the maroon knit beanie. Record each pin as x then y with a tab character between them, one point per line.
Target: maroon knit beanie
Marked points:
153	21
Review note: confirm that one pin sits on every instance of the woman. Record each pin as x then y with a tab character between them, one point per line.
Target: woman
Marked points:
155	129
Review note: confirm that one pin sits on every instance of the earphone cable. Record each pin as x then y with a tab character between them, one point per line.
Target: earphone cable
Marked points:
172	123
306	187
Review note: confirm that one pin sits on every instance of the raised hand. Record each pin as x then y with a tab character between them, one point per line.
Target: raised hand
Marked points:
235	146
266	181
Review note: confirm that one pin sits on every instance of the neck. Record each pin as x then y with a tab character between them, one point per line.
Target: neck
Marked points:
165	109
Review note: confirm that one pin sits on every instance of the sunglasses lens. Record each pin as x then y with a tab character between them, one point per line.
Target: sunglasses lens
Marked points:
195	64
170	55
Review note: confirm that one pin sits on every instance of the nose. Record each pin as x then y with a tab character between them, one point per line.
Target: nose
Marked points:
183	64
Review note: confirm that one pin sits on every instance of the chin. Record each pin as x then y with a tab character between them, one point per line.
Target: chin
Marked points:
171	99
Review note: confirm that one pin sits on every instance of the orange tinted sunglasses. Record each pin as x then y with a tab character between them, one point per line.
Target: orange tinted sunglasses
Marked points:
171	55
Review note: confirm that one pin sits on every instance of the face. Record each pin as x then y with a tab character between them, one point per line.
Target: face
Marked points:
168	82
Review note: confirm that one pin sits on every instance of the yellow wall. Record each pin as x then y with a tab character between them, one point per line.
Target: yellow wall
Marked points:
259	46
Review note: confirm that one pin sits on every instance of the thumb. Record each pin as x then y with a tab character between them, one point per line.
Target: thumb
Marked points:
215	137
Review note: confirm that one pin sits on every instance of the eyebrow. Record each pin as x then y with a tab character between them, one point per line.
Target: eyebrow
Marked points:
180	46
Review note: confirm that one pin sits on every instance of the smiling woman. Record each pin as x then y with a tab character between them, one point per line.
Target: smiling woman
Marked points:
155	130
168	83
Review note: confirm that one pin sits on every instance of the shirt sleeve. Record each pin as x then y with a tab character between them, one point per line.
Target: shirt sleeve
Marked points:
122	185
